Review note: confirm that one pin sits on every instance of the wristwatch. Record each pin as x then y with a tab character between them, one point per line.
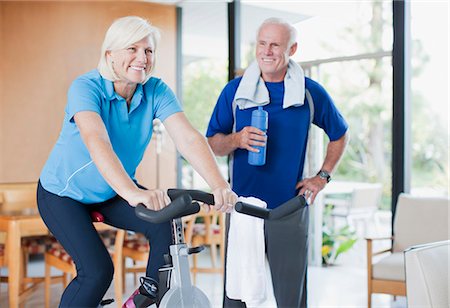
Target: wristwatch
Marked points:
324	175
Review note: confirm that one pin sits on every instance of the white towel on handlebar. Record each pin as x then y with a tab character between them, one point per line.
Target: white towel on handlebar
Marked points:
246	269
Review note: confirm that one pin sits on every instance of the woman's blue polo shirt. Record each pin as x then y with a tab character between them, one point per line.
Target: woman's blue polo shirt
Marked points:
69	170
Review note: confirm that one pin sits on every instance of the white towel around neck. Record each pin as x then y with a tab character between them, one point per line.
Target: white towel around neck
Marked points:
246	267
252	91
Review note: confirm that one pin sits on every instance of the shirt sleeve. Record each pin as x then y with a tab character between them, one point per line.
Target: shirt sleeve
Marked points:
326	114
166	102
83	95
222	119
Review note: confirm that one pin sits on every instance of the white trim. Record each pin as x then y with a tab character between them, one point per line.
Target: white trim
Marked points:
231	156
71	176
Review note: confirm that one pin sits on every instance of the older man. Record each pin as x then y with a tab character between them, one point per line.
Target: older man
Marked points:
293	102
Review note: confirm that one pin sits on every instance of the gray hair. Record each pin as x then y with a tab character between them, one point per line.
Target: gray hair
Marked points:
122	33
278	21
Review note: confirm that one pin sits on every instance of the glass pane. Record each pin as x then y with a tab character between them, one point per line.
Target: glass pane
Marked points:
429	98
205	69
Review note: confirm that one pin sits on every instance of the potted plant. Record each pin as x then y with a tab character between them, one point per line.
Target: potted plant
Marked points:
335	241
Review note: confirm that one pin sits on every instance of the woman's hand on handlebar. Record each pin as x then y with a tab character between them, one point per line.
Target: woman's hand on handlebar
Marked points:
154	199
224	199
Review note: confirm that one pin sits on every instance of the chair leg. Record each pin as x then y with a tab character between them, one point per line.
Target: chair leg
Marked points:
194	268
24	268
136	281
124	274
47	284
213	249
118	286
65	281
369	291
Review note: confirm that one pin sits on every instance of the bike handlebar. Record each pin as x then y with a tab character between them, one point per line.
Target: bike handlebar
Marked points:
281	211
196	195
180	206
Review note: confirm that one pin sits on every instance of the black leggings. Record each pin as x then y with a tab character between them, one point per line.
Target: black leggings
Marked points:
70	222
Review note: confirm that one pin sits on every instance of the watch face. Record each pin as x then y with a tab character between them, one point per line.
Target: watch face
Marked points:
325	175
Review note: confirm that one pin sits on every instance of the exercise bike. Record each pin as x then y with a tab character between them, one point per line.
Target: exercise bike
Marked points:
175	288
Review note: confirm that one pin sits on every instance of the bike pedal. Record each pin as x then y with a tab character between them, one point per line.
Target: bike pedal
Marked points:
195	249
149	287
106	302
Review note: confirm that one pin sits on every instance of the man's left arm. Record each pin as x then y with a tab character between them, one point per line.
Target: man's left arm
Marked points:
310	187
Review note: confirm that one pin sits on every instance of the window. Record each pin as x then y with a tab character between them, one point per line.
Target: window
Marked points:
351	39
429	99
205	69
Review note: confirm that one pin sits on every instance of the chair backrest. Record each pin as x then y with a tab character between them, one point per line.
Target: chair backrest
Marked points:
209	230
426	267
420	220
18	192
366	197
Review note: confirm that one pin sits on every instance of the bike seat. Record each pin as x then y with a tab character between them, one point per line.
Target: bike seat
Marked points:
97	217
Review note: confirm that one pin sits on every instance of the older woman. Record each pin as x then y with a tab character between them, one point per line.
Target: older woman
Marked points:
106	129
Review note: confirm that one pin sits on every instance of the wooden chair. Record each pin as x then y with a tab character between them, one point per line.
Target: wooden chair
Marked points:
206	229
418	220
19	196
135	247
57	257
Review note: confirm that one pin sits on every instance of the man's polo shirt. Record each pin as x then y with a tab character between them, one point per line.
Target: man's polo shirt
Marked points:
69	170
287	137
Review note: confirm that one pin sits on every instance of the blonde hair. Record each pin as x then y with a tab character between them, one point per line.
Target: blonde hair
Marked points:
278	21
122	33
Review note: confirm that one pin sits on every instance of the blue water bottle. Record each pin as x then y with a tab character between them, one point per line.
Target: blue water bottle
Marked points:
260	119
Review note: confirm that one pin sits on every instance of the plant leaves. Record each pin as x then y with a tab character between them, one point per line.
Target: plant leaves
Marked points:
345	246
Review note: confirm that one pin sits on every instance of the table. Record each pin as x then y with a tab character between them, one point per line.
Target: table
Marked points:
18	224
345	188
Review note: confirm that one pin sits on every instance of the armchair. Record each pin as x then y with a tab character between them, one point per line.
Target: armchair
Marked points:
427	282
418	220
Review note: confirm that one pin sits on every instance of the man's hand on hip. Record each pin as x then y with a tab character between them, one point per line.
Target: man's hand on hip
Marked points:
310	187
